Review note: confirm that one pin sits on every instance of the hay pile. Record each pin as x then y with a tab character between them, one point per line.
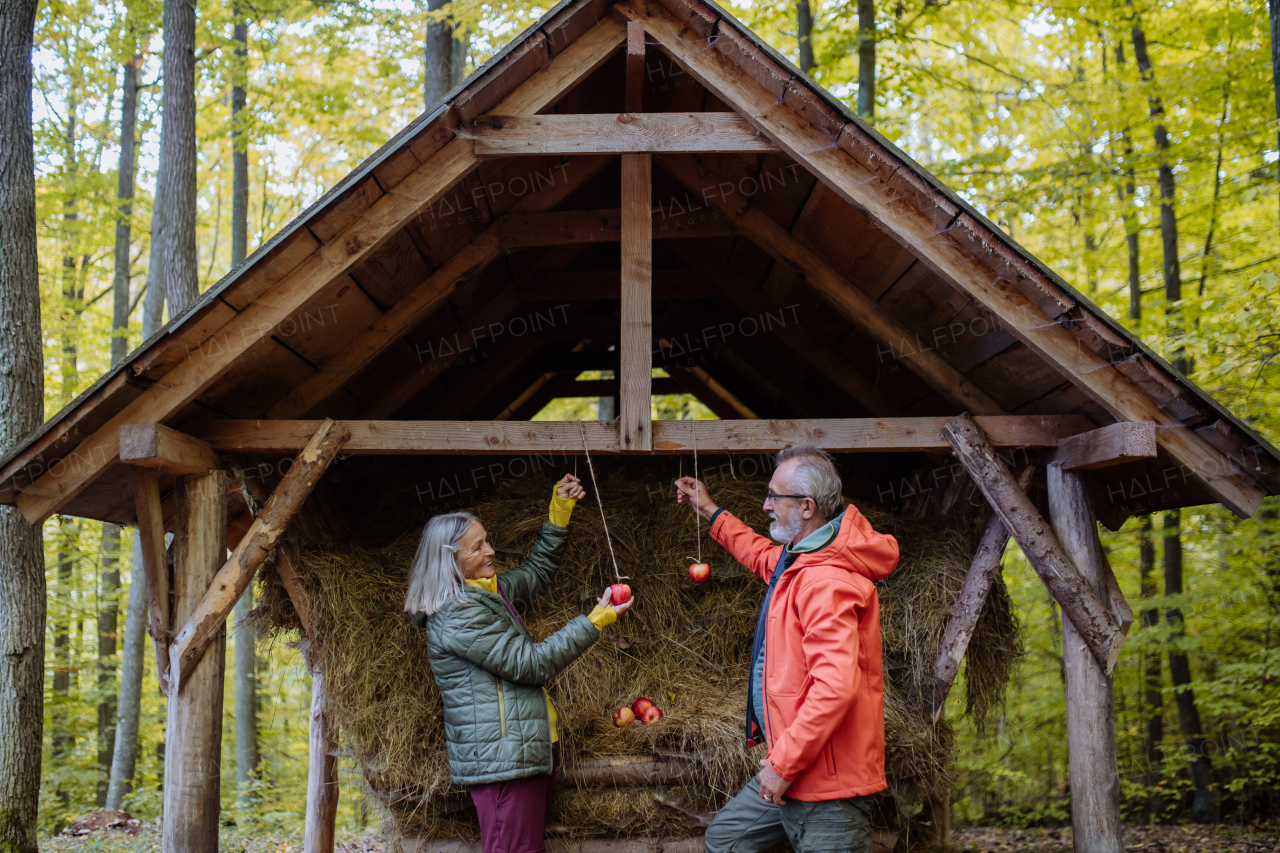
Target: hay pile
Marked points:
685	646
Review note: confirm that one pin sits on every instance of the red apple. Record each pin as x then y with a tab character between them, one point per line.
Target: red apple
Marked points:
700	572
651	715
623	717
641	705
619	593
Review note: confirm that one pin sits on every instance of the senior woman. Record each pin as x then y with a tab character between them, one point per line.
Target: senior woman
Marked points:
499	723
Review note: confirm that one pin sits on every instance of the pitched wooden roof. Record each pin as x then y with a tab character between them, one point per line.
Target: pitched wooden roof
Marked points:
826	276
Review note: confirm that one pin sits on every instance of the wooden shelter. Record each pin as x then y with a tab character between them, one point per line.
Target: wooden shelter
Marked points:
627	186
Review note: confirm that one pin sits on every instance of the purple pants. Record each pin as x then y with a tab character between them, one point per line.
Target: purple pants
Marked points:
513	814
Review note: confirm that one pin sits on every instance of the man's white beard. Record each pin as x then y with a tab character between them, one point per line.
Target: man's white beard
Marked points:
783	535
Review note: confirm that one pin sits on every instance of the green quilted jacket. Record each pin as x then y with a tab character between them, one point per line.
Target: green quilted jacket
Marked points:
490	670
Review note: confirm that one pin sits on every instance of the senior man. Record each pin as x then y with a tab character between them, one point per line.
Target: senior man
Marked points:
815	695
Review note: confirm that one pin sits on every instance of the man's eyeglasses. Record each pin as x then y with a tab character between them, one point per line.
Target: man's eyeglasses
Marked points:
772	497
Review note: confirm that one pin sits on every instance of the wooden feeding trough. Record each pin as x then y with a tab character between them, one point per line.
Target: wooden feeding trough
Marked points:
627	186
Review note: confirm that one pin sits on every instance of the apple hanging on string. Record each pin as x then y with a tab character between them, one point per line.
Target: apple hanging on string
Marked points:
619	593
700	572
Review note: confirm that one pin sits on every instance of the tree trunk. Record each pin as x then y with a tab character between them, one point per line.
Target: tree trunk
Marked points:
132	661
1168	216
438	57
108	618
1217	189
1204	808
1273	6
60	737
178	156
153	304
461	47
124	223
239	146
866	58
1091	729
22	586
804	35
193	733
1152	702
1128	195
246	699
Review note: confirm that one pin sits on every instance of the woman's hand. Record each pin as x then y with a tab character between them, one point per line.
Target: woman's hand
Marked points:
607	599
570	488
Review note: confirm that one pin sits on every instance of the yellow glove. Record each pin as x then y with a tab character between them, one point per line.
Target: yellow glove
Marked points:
602	616
561	508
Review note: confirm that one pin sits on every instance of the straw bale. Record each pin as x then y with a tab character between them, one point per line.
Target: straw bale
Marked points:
685	646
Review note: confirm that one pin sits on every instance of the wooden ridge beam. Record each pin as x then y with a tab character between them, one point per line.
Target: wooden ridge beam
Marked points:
1093	620
210	615
156	446
847	297
343	252
1114	444
849	435
839	156
570	227
615	133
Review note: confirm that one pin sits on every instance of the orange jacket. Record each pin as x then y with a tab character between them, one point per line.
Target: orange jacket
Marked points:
823	685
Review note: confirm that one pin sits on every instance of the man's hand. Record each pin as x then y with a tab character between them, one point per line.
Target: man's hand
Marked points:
694	493
772	786
570	488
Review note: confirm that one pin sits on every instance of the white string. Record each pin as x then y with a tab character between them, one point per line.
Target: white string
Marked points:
608	541
697	503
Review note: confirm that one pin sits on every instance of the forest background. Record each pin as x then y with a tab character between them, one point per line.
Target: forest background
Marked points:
1130	145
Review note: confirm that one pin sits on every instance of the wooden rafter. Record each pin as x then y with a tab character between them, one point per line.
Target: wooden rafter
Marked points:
833	156
343	252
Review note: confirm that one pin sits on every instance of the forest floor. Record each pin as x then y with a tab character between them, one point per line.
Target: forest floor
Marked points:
1138	839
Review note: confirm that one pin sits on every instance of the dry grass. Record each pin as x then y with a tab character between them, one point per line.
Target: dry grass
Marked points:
683	645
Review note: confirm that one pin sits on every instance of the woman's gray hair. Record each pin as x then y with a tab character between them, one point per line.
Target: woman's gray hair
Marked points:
435	576
816	476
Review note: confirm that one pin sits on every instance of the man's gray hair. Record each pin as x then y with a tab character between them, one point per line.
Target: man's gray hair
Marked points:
435	576
816	476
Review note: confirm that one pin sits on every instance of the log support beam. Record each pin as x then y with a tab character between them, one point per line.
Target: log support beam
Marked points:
206	621
322	771
634	408
1098	629
1091	729
155	566
969	603
193	727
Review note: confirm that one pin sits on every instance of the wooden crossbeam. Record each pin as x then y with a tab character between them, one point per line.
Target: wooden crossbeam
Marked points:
851	435
156	446
871	192
582	285
1093	620
340	254
567	227
615	133
1114	444
210	615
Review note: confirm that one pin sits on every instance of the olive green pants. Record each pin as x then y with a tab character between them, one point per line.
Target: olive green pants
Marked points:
748	824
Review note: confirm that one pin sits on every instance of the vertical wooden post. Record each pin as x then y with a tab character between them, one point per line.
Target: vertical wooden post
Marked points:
322	774
1091	735
635	376
193	737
